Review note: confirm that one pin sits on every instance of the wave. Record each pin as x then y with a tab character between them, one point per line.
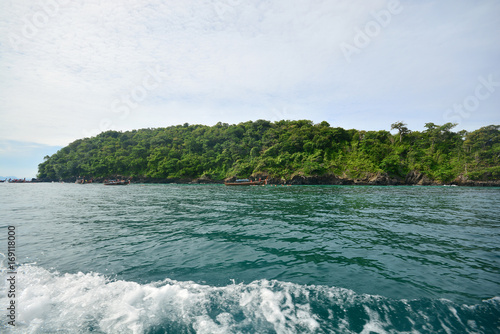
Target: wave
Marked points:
49	302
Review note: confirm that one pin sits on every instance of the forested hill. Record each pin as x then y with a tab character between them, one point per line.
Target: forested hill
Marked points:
283	150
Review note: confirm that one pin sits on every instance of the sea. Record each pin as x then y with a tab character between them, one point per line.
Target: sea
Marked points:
167	258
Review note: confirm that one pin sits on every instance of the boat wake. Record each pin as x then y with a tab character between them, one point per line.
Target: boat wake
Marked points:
50	302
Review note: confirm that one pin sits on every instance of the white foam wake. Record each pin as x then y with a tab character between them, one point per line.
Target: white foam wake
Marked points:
49	302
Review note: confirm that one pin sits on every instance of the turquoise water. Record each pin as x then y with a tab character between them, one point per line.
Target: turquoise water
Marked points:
216	259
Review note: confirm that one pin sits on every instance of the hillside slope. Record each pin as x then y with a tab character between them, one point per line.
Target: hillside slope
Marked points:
284	151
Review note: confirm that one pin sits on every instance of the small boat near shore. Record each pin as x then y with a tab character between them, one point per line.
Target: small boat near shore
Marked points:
245	182
17	181
83	181
116	182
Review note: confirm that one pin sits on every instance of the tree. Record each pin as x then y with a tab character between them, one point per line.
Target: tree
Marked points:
402	129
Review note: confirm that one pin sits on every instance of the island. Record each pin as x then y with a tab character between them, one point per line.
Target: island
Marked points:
283	152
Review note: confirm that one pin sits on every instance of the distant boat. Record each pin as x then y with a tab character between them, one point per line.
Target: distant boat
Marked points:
83	181
18	181
245	182
117	183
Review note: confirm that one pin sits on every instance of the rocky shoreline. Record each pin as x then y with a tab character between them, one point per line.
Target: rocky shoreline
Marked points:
383	179
379	179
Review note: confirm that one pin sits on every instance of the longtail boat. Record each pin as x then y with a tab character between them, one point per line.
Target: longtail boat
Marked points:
245	182
117	183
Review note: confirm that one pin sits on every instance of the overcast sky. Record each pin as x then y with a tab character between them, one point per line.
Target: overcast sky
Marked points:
72	69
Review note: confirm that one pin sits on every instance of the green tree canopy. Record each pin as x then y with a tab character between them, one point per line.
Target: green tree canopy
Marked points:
282	149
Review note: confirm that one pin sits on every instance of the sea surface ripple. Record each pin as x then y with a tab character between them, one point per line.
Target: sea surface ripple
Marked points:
209	258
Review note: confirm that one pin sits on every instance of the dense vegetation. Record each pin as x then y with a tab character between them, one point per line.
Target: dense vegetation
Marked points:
281	149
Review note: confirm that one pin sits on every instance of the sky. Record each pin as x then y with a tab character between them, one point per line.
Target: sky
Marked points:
72	69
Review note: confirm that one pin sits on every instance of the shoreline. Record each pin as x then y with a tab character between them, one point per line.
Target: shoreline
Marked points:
380	179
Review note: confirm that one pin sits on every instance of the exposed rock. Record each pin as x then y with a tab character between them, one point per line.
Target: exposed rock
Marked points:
318	180
384	179
417	178
230	179
145	179
205	179
463	180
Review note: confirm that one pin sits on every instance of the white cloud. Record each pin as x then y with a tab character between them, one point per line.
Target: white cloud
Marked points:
233	60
